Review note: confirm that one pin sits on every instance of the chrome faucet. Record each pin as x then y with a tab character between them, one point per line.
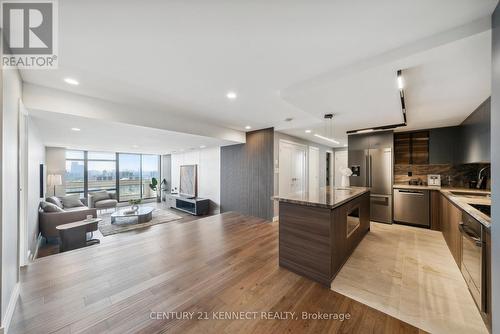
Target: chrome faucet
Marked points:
480	177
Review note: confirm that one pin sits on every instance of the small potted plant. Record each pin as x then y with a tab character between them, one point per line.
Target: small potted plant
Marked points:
135	204
158	187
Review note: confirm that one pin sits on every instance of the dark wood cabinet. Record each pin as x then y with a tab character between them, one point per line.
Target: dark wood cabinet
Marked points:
451	216
402	148
411	148
315	242
346	236
434	209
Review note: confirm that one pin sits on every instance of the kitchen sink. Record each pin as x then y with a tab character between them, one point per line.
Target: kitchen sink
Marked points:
486	209
470	194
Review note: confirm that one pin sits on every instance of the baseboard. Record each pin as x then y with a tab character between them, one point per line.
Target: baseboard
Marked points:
10	310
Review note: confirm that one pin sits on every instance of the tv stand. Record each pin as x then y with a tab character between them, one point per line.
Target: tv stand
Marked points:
195	206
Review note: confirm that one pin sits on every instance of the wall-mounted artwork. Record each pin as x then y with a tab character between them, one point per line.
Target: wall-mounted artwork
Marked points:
188	182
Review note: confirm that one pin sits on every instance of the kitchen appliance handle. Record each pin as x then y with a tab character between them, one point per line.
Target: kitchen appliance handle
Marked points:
411	192
473	237
368	172
371	171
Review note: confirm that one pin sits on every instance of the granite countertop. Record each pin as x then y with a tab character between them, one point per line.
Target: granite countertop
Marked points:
462	201
327	197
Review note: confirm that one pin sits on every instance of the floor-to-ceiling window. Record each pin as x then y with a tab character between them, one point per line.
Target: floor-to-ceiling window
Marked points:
101	171
129	176
74	177
150	169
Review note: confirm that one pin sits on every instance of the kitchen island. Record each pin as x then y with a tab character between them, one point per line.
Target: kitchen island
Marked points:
318	232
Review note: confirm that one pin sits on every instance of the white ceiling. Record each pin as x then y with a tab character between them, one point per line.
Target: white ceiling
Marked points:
56	130
443	85
182	57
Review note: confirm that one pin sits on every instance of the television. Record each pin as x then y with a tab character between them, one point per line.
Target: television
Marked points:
188	185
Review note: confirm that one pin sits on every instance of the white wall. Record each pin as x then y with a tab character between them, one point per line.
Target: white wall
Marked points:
36	156
12	92
208	161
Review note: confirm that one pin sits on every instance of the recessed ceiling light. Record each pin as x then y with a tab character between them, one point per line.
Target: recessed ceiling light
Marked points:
248	127
135	146
231	95
308	131
203	146
71	81
75	129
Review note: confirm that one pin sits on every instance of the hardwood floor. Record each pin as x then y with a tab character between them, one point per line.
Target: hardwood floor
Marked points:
222	263
52	247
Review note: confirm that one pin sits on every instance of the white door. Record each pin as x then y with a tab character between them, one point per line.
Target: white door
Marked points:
340	162
292	169
23	184
313	173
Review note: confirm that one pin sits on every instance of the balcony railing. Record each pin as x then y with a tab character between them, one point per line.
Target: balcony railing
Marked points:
129	189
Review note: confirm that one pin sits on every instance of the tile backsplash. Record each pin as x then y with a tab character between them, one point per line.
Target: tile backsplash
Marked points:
457	175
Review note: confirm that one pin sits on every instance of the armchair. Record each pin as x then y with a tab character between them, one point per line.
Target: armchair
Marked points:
102	200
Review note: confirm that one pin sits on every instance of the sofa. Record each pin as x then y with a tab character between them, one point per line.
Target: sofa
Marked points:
102	200
53	212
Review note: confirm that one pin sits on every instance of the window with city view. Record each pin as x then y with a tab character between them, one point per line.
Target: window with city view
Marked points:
150	169
129	179
101	171
87	172
74	177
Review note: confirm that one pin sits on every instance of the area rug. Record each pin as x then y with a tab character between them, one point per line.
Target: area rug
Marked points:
127	224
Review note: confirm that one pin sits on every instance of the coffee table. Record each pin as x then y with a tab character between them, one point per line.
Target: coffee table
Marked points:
143	214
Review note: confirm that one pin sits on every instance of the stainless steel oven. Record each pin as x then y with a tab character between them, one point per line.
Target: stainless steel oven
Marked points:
472	266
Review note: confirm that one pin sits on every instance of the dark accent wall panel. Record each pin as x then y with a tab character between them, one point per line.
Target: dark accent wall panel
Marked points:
247	175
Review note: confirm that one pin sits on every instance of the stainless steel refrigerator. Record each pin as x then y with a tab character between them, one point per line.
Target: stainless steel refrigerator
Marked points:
373	168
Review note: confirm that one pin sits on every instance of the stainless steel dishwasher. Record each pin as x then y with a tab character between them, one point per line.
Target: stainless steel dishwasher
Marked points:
411	206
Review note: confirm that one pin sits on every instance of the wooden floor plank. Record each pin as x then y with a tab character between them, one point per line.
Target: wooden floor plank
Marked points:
222	263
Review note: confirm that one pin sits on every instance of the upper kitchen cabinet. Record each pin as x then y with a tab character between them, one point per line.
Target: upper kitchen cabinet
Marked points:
476	135
411	148
364	141
443	144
